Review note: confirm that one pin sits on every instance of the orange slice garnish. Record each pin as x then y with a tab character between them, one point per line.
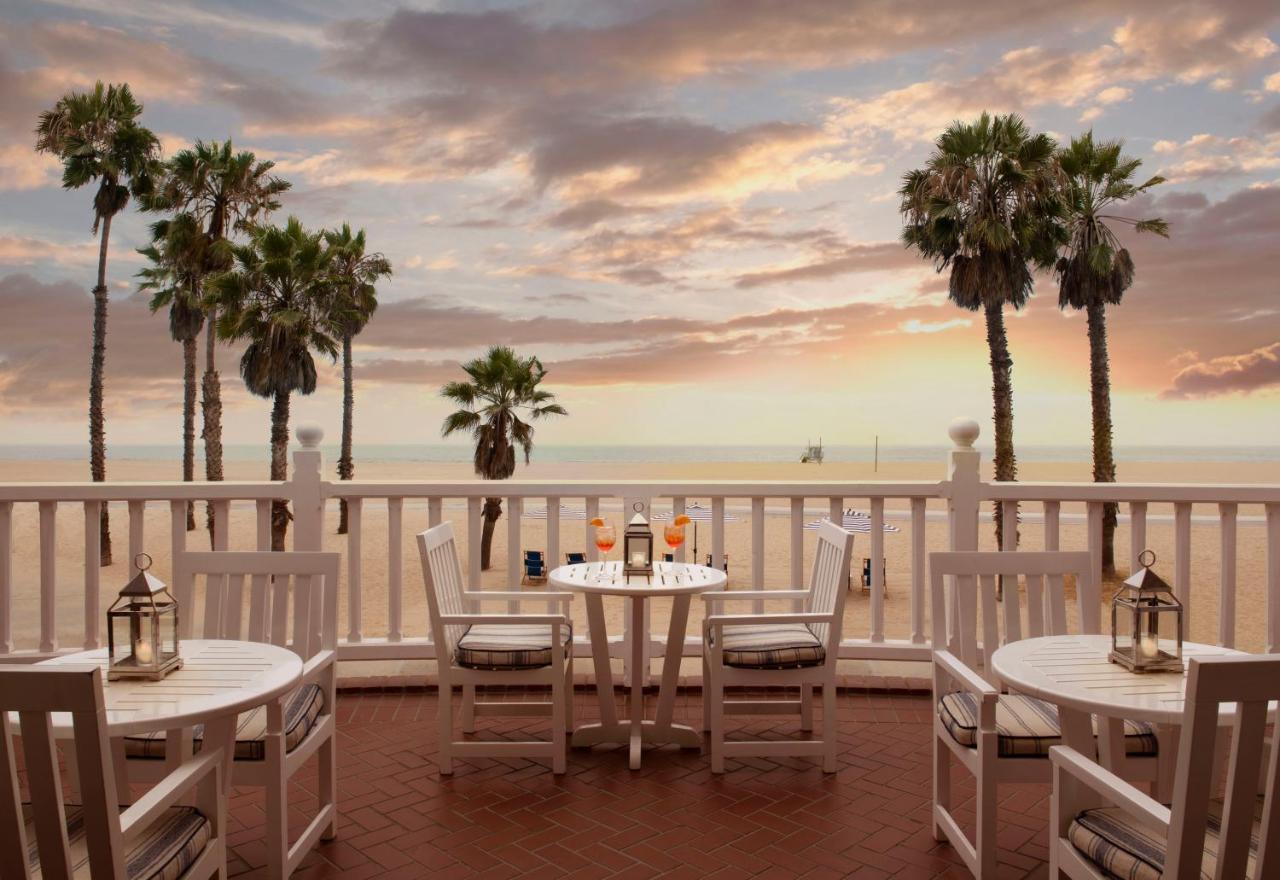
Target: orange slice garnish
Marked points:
597	522
681	520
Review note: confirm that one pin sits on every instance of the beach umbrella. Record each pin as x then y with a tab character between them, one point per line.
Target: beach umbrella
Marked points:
852	521
565	513
697	514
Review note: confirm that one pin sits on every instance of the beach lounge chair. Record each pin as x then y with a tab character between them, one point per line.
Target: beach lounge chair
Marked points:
535	572
711	564
575	558
866	574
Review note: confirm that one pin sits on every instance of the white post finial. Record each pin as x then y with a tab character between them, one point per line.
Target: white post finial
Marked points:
309	436
964	432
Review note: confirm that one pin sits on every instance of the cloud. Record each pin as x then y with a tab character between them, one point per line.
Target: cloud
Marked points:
1231	374
917	326
20	251
1211	155
21	167
878	257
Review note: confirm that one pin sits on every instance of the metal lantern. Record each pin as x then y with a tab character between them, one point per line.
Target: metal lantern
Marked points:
1146	622
142	628
637	547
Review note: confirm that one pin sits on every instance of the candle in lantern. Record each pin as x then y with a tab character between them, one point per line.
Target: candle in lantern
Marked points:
142	651
1149	647
637	558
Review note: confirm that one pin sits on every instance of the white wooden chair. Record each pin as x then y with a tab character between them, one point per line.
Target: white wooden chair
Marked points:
288	599
998	737
177	829
1102	826
476	649
784	649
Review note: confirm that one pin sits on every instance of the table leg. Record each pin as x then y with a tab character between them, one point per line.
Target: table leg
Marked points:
606	730
221	733
1077	731
1111	753
639	635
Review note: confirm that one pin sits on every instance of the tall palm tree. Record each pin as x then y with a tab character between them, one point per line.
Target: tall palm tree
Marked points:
176	256
1093	272
278	298
503	386
985	207
227	192
97	137
354	275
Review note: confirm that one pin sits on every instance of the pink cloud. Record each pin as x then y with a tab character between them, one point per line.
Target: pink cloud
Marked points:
1232	374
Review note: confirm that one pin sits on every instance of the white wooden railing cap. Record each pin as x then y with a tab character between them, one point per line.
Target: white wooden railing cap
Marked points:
309	436
964	432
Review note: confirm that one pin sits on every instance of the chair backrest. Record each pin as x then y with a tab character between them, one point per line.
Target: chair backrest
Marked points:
534	567
262	614
828	580
1251	683
35	692
980	615
442	573
575	558
533	555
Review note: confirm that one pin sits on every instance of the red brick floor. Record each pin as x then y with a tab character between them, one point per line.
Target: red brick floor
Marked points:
512	818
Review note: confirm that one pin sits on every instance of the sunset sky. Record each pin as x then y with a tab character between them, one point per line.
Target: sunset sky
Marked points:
686	209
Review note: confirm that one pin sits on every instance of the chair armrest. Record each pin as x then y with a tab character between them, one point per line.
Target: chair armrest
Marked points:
1109	786
964	676
478	596
317	663
167	791
752	595
505	619
781	617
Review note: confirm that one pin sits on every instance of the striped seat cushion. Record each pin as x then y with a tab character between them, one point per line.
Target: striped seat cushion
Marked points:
494	646
164	851
301	709
1026	727
772	646
1120	846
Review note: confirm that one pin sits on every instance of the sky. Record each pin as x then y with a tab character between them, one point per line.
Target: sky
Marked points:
687	210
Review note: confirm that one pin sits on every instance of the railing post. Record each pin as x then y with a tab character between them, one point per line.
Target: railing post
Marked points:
305	490
963	482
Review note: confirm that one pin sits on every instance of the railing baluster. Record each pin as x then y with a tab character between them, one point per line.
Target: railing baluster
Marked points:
1137	533
1182	562
1273	578
757	551
797	551
515	556
589	531
1093	516
92	574
918	547
1227	584
717	532
553	541
395	568
835	510
677	508
877	569
49	576
6	576
1009	533
137	534
435	512
473	543
355	507
1052	521
177	547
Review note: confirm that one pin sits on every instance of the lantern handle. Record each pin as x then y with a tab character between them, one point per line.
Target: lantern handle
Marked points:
1143	556
138	564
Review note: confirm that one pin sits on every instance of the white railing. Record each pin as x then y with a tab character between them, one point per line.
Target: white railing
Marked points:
33	603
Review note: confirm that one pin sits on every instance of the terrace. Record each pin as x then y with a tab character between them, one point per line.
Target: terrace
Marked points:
766	816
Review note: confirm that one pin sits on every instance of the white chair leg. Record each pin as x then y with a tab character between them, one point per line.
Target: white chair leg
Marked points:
828	725
568	694
717	722
329	784
941	785
985	838
558	724
706	692
468	708
277	830
444	717
806	707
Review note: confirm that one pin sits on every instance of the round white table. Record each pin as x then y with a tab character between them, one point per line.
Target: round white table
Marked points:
218	681
1073	673
679	580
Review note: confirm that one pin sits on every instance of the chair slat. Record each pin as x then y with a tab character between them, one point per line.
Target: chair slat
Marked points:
1013	610
1035	606
233	606
1242	787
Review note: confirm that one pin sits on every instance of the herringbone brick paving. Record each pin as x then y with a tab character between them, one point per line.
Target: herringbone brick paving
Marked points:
765	818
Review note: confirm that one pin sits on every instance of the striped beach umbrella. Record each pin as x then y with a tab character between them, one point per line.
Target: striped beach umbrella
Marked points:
852	521
565	513
697	514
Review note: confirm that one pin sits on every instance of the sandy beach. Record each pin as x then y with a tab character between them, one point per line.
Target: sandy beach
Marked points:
1205	537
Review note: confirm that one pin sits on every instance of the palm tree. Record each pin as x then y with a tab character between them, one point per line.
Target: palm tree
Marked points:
984	206
226	191
354	275
278	298
502	387
1093	273
97	136
176	255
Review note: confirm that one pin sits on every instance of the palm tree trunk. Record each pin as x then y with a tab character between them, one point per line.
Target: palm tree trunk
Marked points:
1006	467
189	421
492	511
1104	463
211	407
346	467
279	466
97	420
